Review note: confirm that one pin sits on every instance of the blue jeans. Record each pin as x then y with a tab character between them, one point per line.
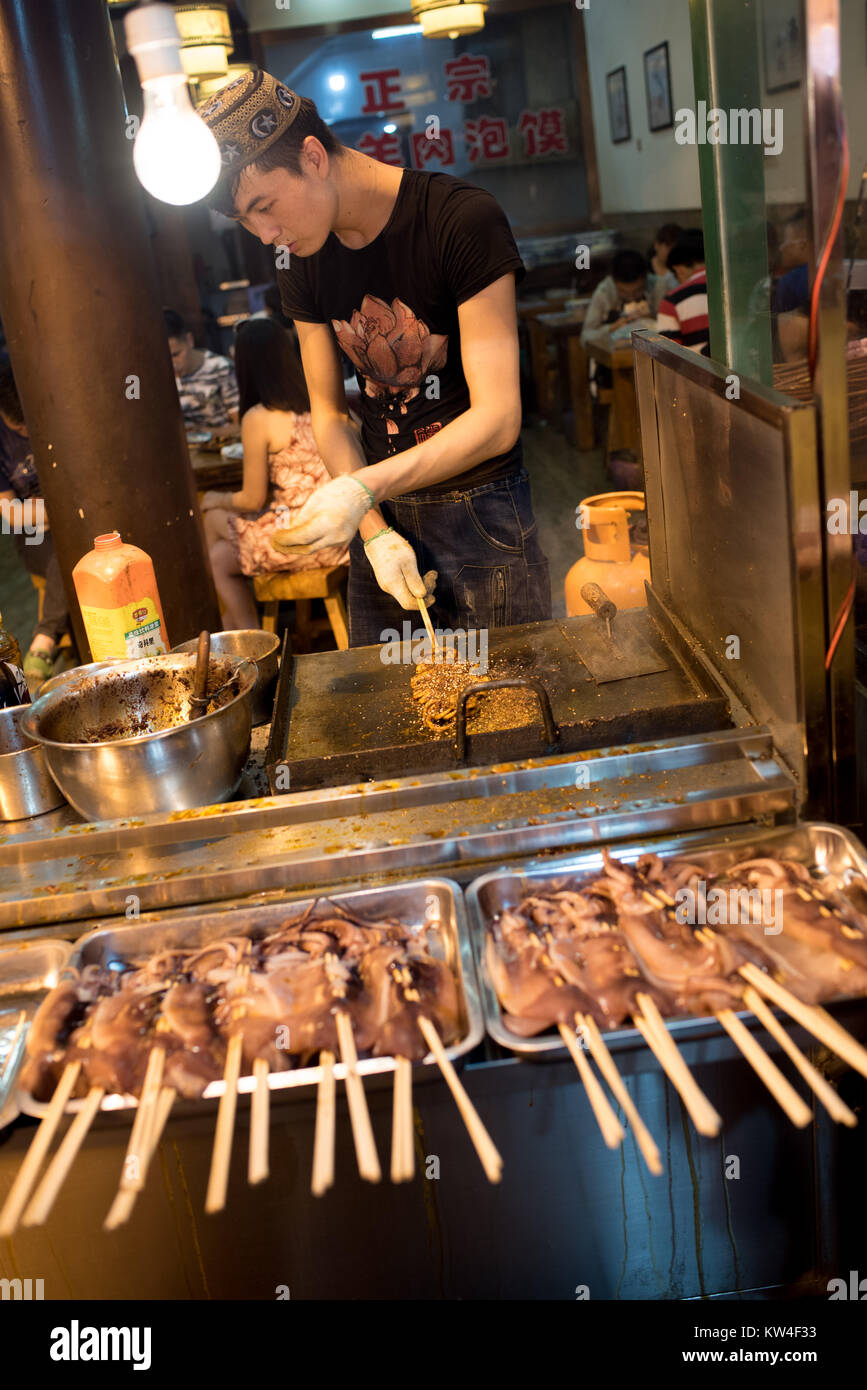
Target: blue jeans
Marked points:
484	545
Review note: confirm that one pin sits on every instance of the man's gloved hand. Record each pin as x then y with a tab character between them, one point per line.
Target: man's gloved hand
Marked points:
394	564
330	517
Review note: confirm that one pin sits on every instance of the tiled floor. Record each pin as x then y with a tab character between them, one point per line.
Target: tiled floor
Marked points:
560	478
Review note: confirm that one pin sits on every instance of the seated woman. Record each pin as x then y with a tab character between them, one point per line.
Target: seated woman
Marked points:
282	468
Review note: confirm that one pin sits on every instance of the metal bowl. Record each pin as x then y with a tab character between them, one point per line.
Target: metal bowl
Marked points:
118	738
26	785
256	645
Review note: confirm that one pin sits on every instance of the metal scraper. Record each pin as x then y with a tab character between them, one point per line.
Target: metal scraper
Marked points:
612	643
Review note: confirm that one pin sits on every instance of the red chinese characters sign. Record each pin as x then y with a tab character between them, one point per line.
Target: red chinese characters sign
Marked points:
468	78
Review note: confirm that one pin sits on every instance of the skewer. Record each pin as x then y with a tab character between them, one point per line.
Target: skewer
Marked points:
402	1155
652	1028
606	1064
121	1207
40	1144
257	1169
55	1174
782	1090
814	1019
219	1175
430	632
323	1141
482	1141
137	1154
612	1130
362	1133
833	1103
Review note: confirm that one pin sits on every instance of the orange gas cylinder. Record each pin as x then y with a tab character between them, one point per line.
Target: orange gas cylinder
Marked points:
609	559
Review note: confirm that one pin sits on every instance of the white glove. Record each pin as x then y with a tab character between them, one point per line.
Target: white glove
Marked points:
330	517
394	564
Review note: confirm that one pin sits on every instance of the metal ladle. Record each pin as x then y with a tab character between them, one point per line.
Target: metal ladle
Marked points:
200	699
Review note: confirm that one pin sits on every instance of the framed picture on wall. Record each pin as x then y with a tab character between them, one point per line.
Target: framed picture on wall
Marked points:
782	44
657	80
618	105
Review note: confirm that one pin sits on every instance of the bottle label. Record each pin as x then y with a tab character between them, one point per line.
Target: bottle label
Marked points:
115	633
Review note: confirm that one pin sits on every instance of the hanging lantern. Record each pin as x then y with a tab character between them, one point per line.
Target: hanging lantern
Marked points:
206	36
449	19
206	87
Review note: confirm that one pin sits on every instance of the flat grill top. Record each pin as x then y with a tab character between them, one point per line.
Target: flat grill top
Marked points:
346	716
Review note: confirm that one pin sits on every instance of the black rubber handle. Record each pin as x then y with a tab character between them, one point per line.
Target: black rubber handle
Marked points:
552	733
598	600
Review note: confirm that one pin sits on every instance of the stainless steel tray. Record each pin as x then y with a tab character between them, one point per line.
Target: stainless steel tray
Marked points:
28	970
436	903
835	853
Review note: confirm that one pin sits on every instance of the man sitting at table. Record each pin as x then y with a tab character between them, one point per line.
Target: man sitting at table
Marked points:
206	382
683	313
618	300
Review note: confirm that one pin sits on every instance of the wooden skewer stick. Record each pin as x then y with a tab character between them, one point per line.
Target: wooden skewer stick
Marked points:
612	1130
55	1174
783	1092
122	1206
606	1064
428	624
41	1142
402	1155
482	1141
833	1103
323	1141
652	1028
814	1019
138	1155
218	1180
257	1169
362	1132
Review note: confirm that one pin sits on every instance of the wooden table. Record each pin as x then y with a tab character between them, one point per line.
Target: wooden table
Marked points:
623	426
564	331
214	473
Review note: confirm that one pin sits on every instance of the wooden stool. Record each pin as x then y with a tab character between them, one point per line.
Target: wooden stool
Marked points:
301	588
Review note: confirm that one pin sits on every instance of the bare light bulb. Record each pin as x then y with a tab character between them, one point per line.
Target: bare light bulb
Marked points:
175	155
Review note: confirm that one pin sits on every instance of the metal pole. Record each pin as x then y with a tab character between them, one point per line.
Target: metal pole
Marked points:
81	309
824	164
726	71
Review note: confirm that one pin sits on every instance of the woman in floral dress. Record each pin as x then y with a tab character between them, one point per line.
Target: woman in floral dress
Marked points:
282	469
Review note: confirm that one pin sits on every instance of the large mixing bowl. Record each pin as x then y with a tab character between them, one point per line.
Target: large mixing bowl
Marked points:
256	645
119	740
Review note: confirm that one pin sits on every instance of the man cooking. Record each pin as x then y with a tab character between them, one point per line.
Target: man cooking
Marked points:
413	276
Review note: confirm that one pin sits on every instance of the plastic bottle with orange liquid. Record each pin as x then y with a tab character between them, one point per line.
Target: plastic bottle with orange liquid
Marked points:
120	602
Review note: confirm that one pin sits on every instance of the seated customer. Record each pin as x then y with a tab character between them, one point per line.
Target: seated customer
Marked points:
661	278
683	313
23	514
206	382
282	469
618	300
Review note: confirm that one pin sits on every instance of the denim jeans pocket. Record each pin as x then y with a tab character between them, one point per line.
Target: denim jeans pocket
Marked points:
482	595
494	517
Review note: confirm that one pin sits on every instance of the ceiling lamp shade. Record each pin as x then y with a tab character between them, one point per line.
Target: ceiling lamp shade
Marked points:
206	39
449	19
206	87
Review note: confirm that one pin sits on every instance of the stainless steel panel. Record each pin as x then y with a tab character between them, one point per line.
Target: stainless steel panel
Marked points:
398	827
435	903
736	535
835	852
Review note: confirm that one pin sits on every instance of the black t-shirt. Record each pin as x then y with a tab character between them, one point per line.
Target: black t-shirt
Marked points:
393	306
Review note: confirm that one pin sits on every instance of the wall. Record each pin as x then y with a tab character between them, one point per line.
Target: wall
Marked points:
650	171
263	15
